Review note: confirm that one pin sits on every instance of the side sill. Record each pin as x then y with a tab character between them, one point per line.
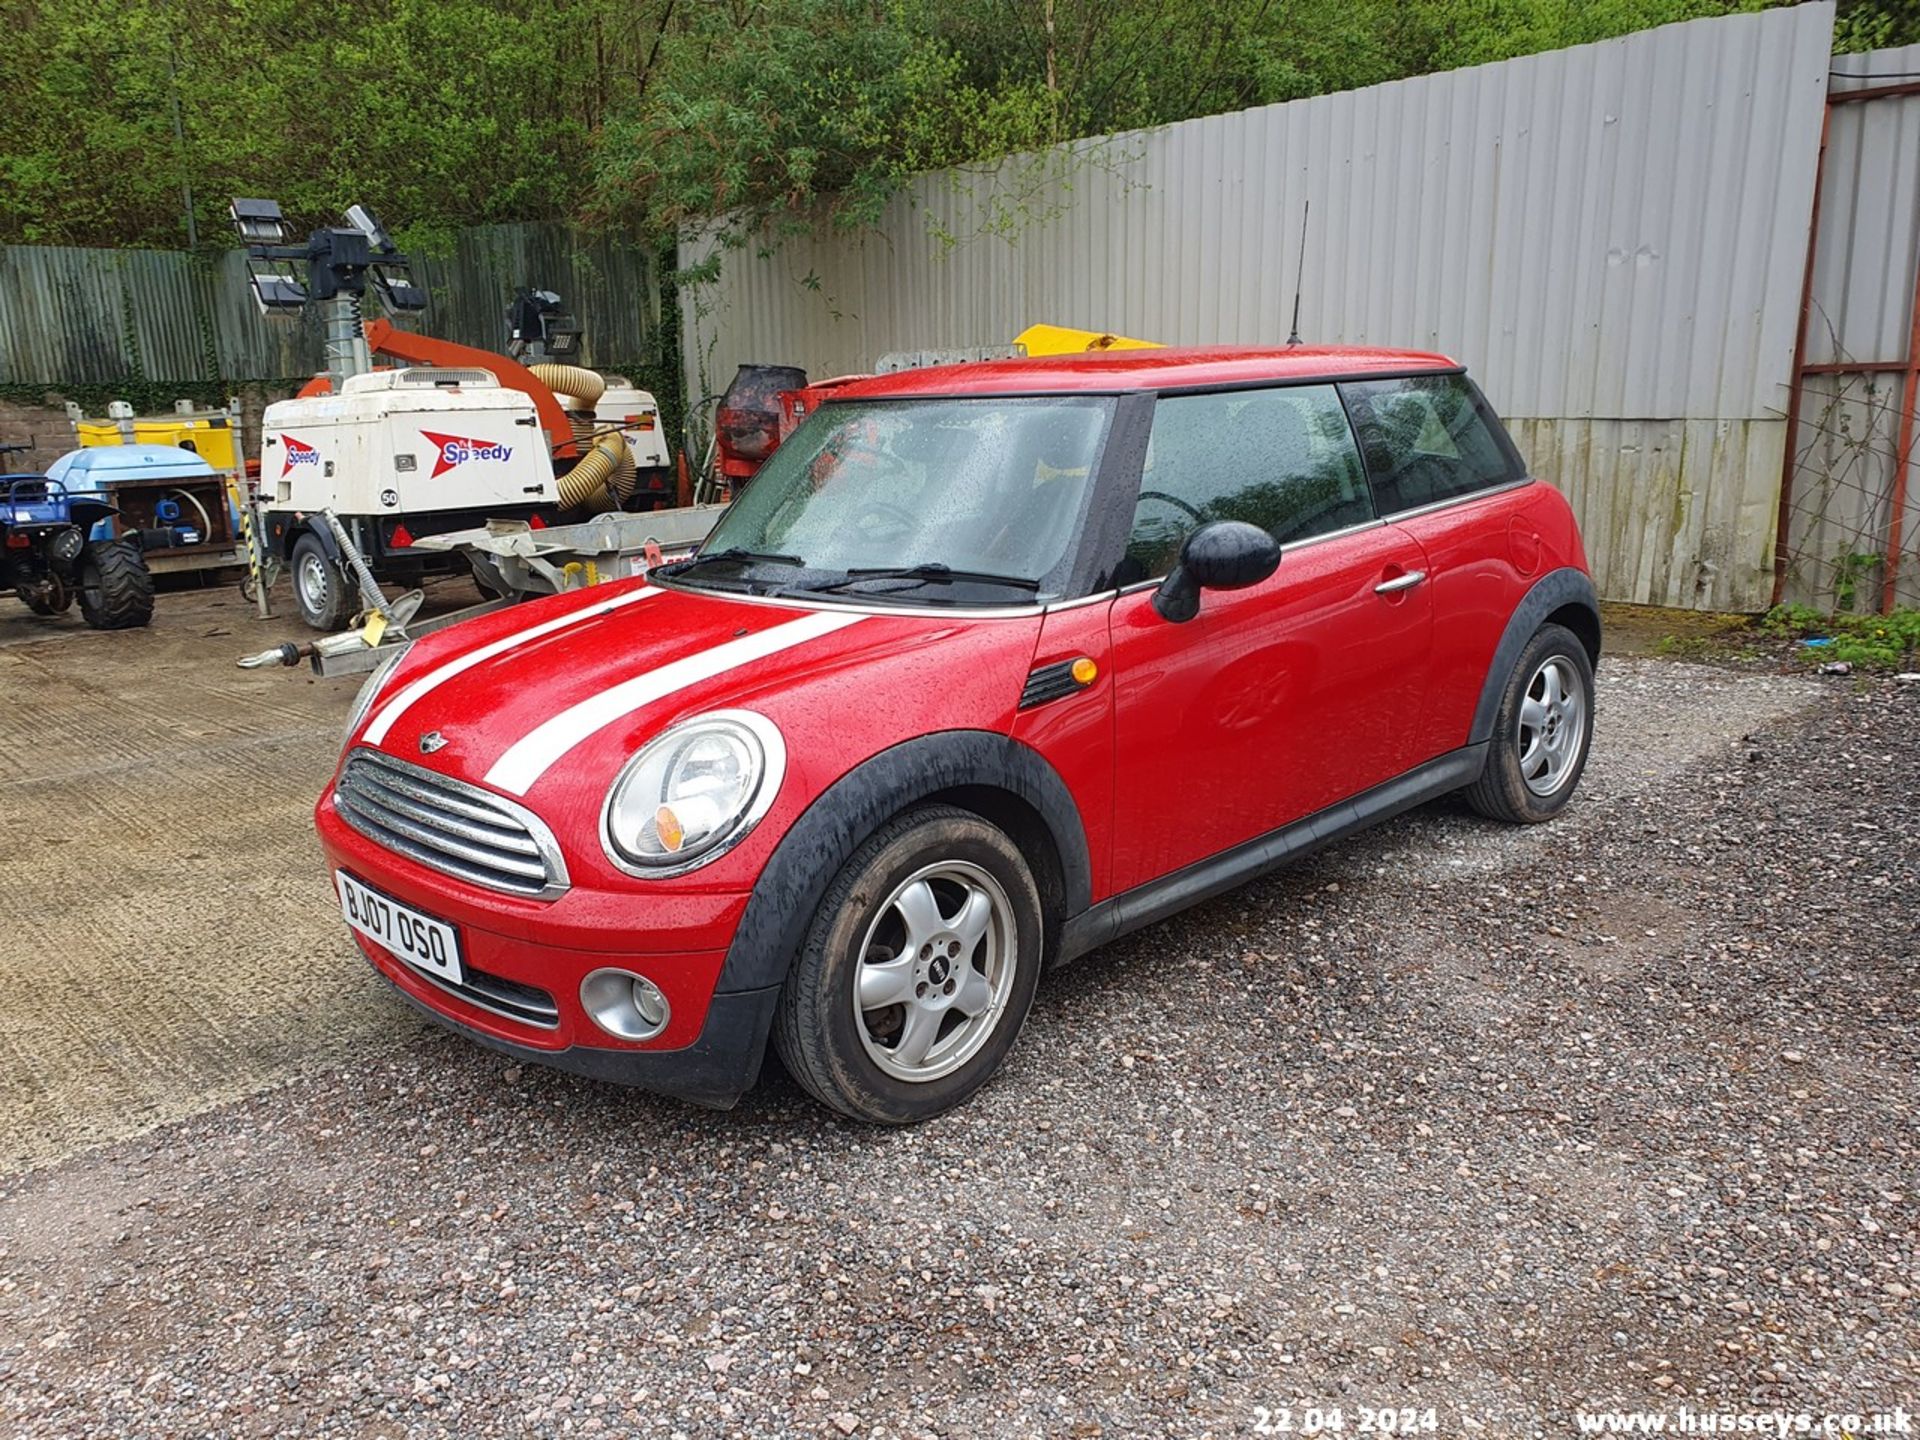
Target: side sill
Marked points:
1157	899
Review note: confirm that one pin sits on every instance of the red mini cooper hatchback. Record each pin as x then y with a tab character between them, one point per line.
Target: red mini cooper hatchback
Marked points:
989	665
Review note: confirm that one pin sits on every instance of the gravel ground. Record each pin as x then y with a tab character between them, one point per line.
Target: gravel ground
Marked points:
1617	1111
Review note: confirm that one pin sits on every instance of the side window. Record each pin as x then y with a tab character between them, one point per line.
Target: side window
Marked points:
1428	438
1282	459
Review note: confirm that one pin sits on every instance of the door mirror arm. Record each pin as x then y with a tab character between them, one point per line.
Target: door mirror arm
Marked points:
1220	555
1178	598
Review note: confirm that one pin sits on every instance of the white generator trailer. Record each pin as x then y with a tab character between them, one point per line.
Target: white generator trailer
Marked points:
398	455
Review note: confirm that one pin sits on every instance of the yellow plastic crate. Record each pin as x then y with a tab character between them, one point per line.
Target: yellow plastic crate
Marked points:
210	438
99	432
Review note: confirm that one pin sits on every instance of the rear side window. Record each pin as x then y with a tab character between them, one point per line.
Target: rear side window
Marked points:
1282	459
1428	438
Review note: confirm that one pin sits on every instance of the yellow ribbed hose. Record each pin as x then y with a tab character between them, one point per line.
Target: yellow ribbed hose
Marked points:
626	476
584	487
573	380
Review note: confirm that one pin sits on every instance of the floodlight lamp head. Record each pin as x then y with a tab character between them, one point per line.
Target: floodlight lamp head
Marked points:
562	336
276	292
258	222
398	293
368	224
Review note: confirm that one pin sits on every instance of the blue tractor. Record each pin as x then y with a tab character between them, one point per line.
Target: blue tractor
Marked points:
48	558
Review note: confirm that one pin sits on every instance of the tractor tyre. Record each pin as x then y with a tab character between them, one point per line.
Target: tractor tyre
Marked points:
116	588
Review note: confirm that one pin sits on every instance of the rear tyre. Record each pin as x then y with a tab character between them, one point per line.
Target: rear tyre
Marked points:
319	589
917	971
1541	733
116	588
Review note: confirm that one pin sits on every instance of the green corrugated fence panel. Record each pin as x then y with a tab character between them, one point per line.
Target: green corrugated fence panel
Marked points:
80	316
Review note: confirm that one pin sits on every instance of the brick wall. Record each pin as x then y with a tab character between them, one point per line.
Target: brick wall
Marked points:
47	429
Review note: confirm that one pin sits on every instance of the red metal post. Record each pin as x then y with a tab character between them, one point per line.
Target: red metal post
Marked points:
1798	383
1874	92
1902	456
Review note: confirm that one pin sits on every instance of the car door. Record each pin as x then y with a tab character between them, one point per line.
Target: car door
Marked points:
1445	472
1277	700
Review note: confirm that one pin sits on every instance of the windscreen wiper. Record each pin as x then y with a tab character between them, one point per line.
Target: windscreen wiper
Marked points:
735	553
929	573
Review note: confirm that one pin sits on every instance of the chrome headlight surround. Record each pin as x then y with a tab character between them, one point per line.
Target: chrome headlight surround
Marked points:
646	783
370	689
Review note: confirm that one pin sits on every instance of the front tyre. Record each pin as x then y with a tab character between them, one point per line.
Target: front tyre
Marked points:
116	588
1541	733
917	971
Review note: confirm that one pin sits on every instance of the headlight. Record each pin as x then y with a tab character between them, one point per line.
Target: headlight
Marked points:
691	793
370	690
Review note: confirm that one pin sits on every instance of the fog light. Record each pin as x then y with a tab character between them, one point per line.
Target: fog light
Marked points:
624	1004
651	1004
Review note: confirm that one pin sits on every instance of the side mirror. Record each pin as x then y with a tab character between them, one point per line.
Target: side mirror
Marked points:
1220	555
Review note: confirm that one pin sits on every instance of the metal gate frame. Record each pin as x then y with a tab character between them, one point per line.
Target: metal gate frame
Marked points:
1909	365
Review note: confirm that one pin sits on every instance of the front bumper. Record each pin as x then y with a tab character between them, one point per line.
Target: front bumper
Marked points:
526	961
715	1071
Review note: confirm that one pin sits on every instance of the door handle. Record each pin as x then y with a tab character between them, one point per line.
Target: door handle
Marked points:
1400	582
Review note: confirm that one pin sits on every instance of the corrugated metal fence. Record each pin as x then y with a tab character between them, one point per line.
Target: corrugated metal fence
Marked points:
1860	367
73	316
1612	237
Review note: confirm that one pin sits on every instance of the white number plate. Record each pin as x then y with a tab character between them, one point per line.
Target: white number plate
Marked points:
420	940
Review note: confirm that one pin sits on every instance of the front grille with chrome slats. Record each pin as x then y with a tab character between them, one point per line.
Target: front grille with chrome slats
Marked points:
460	829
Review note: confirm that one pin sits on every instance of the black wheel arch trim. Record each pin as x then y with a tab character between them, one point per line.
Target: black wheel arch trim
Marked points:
322	536
1551	592
842	816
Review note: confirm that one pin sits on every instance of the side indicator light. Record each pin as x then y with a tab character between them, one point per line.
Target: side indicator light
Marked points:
667	824
1058	680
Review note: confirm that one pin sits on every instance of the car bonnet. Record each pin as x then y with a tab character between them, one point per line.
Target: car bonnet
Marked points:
515	705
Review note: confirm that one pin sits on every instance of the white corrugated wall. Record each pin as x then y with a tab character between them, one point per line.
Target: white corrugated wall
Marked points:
1611	237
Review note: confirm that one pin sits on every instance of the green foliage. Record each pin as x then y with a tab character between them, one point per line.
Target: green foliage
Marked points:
1850	569
648	113
1875	24
436	114
1872	642
148	397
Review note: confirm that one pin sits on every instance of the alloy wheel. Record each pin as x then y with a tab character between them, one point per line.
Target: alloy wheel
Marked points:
935	971
1553	724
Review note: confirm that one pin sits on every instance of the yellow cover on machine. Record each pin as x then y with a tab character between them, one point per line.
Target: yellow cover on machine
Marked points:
1063	340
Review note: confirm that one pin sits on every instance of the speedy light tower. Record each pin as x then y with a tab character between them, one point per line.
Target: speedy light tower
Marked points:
340	262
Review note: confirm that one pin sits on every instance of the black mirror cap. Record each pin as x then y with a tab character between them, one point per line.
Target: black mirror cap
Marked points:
1220	555
1229	555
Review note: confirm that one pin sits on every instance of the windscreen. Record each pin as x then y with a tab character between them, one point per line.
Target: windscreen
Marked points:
988	486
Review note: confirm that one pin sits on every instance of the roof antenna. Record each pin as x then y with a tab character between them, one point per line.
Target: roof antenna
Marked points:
1300	275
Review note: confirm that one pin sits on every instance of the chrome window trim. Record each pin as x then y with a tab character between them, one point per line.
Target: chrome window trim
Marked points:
1466	498
558	880
1374	524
